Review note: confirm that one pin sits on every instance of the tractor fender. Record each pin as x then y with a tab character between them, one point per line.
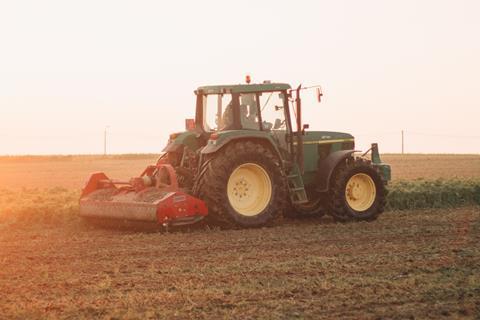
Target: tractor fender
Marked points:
215	145
327	166
173	147
178	140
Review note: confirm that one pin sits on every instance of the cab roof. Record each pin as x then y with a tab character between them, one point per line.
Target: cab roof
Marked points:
242	88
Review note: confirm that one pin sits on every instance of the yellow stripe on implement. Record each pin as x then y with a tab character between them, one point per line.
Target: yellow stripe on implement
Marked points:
326	141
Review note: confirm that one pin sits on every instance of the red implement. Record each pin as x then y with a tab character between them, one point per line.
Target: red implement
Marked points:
152	197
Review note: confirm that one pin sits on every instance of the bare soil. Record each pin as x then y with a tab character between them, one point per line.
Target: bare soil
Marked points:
406	265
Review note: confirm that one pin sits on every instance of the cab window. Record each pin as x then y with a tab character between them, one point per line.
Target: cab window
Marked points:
249	118
272	110
217	111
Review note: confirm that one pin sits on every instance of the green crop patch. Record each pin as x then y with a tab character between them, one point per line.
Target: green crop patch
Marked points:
60	205
33	206
440	193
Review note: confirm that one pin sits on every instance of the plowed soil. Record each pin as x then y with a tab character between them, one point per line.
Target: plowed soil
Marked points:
406	265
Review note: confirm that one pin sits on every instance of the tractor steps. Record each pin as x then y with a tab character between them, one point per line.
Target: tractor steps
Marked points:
298	195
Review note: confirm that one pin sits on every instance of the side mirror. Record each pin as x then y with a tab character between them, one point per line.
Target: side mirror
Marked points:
305	126
189	124
319	94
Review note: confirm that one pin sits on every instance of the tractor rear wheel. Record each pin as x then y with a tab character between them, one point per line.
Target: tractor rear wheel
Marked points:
243	185
357	191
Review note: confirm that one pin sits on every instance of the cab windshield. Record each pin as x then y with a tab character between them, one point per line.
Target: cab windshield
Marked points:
251	111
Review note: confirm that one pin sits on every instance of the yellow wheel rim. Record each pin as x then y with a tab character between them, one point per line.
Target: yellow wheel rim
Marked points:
249	189
360	192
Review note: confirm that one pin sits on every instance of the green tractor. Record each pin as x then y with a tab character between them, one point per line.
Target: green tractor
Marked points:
243	156
241	162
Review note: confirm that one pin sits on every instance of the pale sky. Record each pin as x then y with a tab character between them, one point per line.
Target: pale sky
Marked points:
70	68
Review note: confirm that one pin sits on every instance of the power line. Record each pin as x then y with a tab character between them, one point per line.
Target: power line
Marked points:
376	133
417	133
442	135
404	133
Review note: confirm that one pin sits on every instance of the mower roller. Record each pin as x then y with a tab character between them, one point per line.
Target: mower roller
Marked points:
247	159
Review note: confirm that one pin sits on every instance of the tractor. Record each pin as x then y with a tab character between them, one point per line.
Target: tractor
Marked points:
246	160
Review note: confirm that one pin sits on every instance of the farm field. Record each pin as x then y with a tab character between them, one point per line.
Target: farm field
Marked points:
407	264
433	166
72	171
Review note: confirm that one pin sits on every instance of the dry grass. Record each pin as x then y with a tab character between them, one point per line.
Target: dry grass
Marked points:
433	166
73	171
67	171
421	264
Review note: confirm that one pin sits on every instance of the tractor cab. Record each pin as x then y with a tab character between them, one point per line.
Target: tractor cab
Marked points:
253	110
249	107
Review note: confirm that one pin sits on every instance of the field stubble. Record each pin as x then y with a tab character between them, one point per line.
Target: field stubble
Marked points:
422	264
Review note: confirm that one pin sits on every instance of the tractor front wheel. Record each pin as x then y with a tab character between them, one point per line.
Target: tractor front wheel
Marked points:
243	185
357	191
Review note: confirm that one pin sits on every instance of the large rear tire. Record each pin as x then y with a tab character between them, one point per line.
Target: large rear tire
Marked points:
357	191
243	185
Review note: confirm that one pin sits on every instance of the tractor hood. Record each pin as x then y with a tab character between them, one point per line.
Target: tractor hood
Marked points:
320	137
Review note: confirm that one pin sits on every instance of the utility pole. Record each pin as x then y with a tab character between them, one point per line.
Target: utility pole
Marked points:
105	141
402	143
